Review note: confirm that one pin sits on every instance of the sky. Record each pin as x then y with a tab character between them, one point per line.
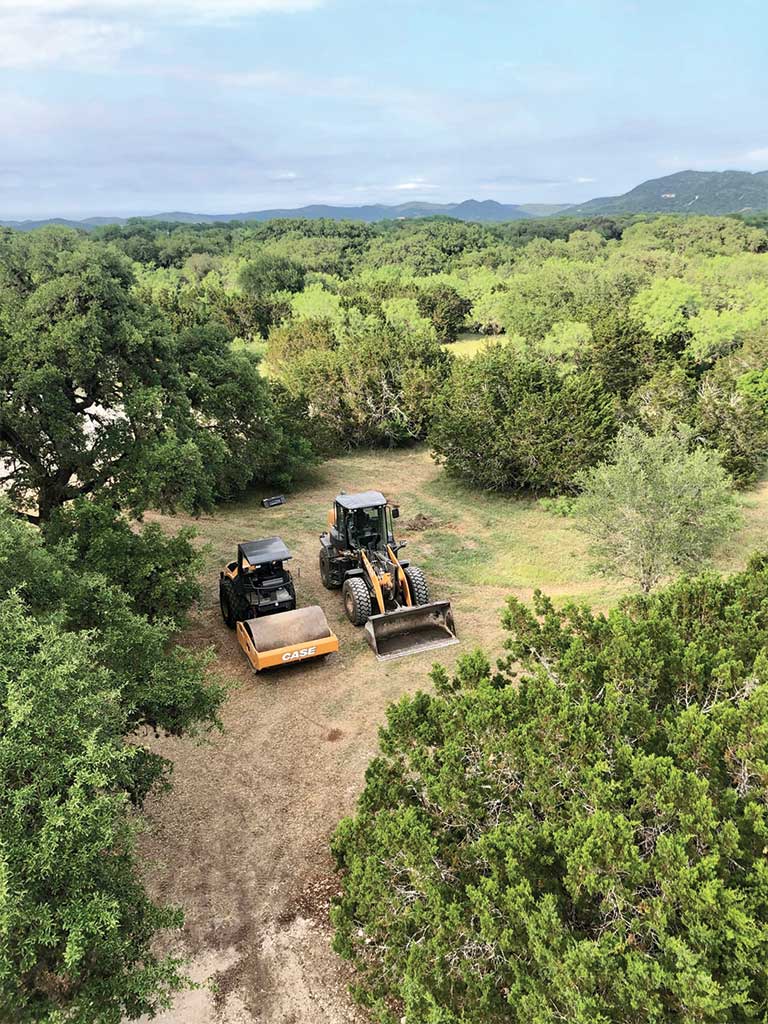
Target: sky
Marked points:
221	106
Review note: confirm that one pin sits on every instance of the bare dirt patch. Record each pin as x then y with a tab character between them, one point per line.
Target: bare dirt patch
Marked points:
421	522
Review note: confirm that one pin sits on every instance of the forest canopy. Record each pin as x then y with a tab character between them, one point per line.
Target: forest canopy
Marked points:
658	322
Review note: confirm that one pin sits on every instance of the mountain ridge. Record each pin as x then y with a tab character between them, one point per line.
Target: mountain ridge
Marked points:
709	192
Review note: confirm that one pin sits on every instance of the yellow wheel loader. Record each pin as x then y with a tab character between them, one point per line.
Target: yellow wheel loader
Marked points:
258	599
387	595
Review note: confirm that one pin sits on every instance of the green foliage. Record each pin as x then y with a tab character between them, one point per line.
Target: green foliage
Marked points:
504	421
292	338
628	300
81	671
560	290
585	842
316	303
404	314
375	387
701	236
665	308
75	921
724	416
446	308
622	354
109	400
159	572
656	506
266	274
567	344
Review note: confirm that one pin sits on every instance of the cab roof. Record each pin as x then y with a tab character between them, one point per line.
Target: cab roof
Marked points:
259	552
365	499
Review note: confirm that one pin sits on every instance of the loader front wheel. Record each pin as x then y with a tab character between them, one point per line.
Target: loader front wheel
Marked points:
357	601
417	584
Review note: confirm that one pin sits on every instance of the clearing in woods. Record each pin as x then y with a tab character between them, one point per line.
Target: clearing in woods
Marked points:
242	840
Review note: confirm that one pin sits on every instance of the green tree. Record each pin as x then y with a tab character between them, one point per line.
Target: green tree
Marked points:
101	397
265	274
447	310
375	387
505	421
584	842
159	572
726	417
292	338
656	506
76	925
82	674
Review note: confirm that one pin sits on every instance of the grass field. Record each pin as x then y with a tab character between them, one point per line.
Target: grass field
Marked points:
469	344
242	841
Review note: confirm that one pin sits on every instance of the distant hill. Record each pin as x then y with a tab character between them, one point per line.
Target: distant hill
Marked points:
688	192
714	192
487	210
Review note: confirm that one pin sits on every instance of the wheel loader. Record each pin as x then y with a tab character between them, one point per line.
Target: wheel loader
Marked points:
258	598
382	592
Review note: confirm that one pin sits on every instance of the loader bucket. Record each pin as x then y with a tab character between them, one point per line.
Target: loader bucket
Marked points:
411	630
286	638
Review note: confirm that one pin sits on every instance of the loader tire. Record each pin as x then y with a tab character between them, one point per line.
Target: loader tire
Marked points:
225	603
357	601
325	575
417	584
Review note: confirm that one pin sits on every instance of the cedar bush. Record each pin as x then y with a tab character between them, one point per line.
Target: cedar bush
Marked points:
584	842
506	421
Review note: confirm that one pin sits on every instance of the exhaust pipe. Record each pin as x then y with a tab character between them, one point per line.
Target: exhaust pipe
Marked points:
407	631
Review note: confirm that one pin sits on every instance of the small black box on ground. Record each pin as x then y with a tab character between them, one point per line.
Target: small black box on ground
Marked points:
279	499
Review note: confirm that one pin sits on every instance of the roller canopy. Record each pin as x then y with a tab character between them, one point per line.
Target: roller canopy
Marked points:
261	552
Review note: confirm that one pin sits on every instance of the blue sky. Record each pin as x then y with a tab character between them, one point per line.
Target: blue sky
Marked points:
138	106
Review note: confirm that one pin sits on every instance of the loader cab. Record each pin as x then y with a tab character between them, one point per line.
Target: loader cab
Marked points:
363	522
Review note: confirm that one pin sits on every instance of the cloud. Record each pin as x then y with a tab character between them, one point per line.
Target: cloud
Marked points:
416	185
32	40
548	79
93	33
206	9
585	181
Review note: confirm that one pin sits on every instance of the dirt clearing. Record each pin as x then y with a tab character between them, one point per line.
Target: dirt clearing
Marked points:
242	841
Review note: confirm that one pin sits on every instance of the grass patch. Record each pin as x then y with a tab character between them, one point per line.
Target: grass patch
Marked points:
469	344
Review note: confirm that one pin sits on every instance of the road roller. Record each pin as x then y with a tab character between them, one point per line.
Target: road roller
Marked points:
258	599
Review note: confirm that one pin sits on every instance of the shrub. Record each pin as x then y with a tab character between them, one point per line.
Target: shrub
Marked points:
655	506
585	843
504	421
375	387
446	309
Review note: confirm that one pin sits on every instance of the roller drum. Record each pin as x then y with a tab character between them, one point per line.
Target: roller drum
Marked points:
288	629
